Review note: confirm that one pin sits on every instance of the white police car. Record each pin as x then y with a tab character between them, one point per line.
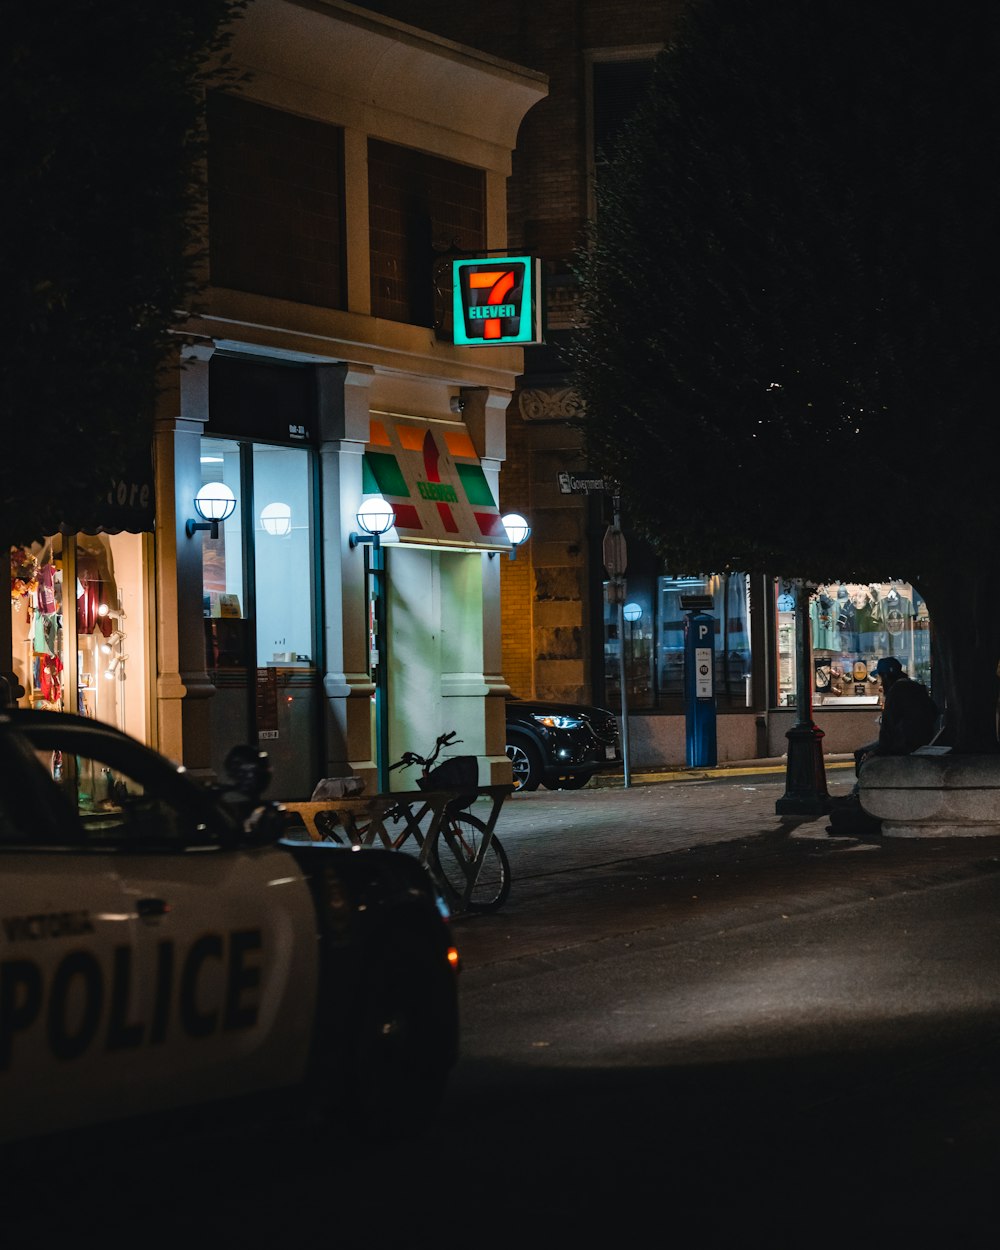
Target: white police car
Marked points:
160	950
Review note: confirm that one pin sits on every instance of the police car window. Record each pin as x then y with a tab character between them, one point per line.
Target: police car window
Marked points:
117	810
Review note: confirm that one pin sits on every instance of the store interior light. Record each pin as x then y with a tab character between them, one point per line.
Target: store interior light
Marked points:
213	503
113	640
276	519
518	530
116	668
375	517
632	612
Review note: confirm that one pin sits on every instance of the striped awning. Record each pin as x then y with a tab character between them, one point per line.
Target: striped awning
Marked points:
431	475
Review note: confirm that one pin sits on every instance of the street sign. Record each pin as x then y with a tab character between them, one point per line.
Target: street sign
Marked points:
580	484
616	590
615	554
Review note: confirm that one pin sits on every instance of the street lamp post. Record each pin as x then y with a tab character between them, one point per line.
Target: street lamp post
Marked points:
375	517
615	563
805	779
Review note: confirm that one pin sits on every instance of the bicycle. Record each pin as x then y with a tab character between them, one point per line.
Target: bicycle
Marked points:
466	858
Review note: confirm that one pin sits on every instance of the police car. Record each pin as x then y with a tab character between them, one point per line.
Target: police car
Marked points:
165	945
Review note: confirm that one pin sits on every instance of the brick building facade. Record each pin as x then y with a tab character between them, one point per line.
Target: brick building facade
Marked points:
596	54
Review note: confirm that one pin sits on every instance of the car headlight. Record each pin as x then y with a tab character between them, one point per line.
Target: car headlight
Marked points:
559	722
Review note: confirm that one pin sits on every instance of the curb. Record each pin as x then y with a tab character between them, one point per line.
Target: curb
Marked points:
745	768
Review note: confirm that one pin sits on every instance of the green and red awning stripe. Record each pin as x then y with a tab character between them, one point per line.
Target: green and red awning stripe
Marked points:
435	483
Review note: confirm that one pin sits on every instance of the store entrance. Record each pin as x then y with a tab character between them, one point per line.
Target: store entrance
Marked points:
258	580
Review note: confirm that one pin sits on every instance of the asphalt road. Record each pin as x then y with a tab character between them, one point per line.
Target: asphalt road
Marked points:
692	1024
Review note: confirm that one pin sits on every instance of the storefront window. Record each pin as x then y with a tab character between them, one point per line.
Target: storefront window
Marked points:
853	625
79	627
283	555
222	557
730	608
654	622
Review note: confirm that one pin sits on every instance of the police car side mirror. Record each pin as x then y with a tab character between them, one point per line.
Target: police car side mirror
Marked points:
248	770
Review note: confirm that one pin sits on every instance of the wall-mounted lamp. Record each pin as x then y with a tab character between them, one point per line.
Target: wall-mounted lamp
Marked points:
375	517
518	530
213	503
276	519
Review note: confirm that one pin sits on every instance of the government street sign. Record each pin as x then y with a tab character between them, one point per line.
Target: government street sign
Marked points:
581	484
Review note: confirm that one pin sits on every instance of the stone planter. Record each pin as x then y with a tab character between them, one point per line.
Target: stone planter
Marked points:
933	796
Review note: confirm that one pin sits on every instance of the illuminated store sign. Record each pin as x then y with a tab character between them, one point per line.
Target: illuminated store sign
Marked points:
496	301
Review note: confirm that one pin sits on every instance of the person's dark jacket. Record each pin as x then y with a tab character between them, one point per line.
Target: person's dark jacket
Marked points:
909	718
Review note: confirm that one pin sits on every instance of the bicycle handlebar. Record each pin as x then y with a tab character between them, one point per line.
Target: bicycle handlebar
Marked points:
411	757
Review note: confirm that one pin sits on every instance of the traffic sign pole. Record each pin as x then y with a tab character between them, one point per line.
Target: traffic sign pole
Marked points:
615	563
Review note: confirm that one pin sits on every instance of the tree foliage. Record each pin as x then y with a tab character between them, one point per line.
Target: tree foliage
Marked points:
102	154
790	309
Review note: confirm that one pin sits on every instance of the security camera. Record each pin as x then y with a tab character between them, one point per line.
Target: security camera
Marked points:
457	404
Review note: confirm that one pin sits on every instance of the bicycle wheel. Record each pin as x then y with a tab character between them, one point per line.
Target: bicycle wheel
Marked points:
458	847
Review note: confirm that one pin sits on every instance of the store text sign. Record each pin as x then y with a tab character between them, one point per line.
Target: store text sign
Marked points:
496	301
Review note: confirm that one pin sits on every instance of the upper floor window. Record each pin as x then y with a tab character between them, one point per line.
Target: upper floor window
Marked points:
616	87
276	203
415	203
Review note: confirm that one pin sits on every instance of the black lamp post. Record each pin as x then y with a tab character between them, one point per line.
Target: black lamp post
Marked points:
375	517
805	778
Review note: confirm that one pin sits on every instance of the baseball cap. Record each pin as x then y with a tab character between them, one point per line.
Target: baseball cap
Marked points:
888	666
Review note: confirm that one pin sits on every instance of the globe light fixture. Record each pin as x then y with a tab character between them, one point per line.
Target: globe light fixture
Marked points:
518	530
276	519
375	517
213	503
632	612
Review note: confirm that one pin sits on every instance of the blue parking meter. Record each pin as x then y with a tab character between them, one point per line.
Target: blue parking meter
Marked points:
699	689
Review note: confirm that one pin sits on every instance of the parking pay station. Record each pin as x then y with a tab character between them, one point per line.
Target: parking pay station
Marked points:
699	682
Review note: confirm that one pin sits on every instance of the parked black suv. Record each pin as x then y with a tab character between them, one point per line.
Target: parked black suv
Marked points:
559	745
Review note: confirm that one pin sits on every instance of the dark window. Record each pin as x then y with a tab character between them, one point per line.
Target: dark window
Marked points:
417	203
618	86
276	203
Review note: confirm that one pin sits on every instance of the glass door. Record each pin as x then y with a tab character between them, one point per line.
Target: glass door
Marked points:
260	611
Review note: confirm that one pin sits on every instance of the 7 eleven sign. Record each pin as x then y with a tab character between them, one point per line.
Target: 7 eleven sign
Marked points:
496	301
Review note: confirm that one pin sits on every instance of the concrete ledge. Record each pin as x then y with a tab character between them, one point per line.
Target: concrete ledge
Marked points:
933	796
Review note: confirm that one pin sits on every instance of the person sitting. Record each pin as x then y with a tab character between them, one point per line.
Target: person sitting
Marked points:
909	720
909	714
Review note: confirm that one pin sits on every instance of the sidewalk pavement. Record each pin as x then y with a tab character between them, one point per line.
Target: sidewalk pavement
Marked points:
685	849
558	830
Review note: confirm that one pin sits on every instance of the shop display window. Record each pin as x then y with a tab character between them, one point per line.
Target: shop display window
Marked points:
222	557
852	626
283	556
654	621
79	627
